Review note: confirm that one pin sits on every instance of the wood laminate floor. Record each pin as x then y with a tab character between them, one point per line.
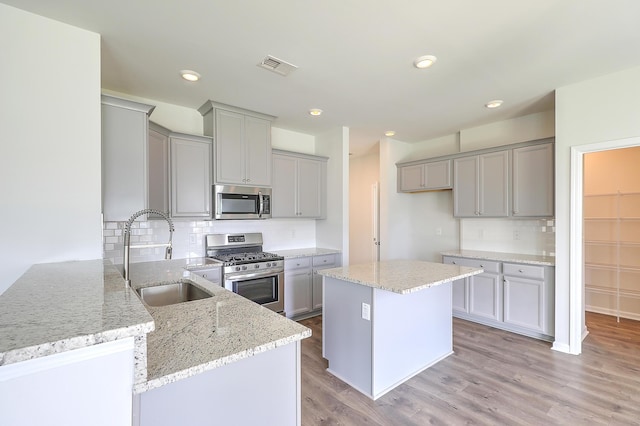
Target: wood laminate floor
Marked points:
493	378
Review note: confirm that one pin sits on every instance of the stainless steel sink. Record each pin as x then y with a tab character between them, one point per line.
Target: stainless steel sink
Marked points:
172	293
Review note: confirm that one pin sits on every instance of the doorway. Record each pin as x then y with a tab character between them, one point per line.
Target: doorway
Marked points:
576	249
612	232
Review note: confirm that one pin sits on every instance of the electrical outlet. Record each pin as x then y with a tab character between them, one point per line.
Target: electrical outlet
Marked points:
438	231
366	311
193	239
516	234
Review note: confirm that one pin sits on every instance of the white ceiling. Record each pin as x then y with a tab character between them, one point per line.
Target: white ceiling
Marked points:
355	57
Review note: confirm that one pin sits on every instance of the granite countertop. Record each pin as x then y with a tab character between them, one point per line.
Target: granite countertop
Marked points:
503	257
204	334
400	276
304	252
58	307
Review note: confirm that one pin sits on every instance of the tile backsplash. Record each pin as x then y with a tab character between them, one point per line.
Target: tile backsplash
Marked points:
188	237
536	236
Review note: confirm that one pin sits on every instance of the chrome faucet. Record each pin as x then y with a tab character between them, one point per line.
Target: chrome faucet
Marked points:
127	240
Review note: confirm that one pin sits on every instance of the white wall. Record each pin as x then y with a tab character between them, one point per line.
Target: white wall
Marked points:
396	233
333	232
598	110
50	139
292	141
521	129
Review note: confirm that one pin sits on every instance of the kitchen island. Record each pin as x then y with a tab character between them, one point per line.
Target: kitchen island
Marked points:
385	322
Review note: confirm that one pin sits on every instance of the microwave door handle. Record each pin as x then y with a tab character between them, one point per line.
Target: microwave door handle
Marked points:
261	206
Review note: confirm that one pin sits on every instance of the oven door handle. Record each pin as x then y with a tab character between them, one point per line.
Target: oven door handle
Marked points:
261	274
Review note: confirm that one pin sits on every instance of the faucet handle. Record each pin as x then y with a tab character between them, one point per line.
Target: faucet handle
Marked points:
168	252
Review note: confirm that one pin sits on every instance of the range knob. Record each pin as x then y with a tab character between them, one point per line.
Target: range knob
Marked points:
256	266
244	268
268	265
237	268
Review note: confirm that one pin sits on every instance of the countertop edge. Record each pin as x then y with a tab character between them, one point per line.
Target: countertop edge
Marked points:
304	252
530	259
220	362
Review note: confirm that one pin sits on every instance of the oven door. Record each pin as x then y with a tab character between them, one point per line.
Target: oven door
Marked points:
266	289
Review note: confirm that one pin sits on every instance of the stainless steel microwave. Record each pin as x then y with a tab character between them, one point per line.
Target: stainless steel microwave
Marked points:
241	202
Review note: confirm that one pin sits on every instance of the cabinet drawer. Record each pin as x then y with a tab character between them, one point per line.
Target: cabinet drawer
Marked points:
327	260
297	263
487	265
520	270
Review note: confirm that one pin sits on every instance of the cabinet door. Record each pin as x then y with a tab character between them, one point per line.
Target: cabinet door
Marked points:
258	151
485	296
465	187
524	303
309	188
460	297
190	177
411	178
230	147
533	181
158	170
437	175
316	291
298	292
494	184
124	162
283	192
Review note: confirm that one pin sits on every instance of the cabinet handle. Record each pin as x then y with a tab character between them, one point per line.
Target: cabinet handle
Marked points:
453	262
482	266
521	271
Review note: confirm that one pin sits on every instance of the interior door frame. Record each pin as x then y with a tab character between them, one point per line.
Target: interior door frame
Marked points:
577	327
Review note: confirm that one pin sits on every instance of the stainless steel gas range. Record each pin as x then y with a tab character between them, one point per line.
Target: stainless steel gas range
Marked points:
247	270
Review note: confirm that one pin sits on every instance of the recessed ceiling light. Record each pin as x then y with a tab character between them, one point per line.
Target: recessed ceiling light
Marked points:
389	133
424	61
190	75
315	112
494	104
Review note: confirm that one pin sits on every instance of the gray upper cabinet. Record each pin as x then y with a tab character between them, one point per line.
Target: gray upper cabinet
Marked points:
242	144
533	182
190	175
481	185
125	158
158	167
425	176
299	185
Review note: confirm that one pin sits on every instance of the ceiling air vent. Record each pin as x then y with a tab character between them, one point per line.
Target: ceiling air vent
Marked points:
277	65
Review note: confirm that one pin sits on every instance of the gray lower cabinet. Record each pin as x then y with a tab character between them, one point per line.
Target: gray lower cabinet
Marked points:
529	297
481	185
125	161
303	284
426	176
297	286
299	185
511	296
190	175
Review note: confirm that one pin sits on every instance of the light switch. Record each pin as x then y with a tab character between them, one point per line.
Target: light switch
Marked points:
366	311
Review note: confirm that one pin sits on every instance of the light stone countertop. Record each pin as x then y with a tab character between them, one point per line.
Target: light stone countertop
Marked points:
58	307
197	336
503	257
304	252
400	276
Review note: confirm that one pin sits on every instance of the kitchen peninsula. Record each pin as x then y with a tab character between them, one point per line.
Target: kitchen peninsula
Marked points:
385	322
75	341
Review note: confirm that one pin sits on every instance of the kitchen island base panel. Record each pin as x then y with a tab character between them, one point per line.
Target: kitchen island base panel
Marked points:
262	389
406	333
